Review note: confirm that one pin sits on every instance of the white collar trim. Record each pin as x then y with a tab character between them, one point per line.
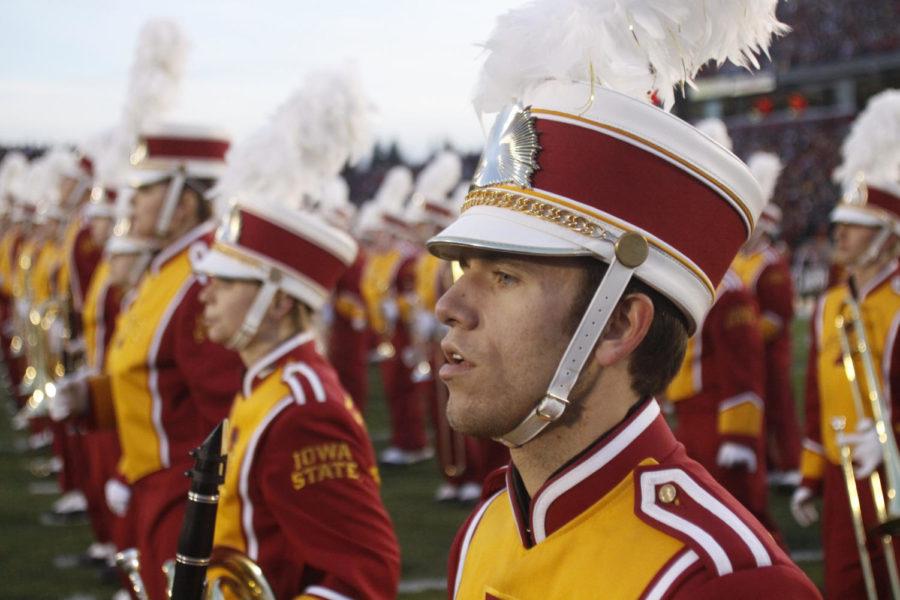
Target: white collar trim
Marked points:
280	350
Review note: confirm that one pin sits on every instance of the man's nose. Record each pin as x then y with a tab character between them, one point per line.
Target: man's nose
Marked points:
455	308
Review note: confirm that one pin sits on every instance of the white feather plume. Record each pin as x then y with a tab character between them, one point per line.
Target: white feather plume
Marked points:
156	72
872	148
632	46
394	190
766	167
716	130
309	139
439	176
13	171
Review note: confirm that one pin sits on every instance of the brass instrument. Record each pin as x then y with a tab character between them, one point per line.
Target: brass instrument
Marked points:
45	363
234	575
888	513
129	561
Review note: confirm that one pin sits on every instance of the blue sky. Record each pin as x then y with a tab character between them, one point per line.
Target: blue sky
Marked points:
64	65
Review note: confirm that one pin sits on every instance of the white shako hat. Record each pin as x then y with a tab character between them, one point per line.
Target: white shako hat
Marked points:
870	171
267	236
766	168
582	163
334	203
431	202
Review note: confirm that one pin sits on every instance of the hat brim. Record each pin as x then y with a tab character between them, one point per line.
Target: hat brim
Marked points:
484	228
217	264
852	215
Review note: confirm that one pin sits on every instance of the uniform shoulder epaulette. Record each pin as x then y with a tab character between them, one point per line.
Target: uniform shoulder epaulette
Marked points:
720	537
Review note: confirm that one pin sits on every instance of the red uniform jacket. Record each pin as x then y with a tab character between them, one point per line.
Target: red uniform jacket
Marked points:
301	495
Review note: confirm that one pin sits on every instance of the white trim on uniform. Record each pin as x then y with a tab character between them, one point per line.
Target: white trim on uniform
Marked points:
649	481
742	398
671	575
813	446
180	244
697	359
291	370
153	375
244	481
100	328
267	360
886	359
879	278
324	592
590	466
467	539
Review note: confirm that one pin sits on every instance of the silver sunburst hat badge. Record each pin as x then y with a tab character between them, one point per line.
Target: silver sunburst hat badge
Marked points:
510	155
859	194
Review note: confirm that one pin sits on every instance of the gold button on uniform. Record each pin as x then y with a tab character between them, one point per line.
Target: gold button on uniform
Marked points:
666	493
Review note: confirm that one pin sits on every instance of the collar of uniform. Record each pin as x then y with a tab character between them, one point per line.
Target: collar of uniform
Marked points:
592	474
260	368
883	275
176	247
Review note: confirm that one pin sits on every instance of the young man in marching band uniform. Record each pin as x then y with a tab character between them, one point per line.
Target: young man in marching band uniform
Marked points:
592	242
866	244
165	384
767	275
302	492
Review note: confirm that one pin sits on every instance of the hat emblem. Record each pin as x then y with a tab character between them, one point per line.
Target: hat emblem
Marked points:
139	154
510	154
230	229
859	195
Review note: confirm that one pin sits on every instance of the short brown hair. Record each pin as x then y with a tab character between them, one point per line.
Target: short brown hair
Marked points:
658	357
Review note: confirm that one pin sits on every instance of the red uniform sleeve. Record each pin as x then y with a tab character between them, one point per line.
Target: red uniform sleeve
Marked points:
777	581
812	457
211	372
740	366
318	479
775	293
86	255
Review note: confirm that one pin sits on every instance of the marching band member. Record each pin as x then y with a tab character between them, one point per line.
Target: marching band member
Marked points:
301	492
386	285
866	236
348	331
592	242
717	393
767	275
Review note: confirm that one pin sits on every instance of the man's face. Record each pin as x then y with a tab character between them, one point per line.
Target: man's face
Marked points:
225	304
510	321
147	204
851	242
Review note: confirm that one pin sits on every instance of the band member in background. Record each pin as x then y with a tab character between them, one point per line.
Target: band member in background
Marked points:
866	245
767	275
301	494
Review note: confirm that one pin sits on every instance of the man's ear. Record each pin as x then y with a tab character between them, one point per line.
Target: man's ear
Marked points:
625	330
281	305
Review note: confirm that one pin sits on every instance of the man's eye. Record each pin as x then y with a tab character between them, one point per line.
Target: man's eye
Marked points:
504	278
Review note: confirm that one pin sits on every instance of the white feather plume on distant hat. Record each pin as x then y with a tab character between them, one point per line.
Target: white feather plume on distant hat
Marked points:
872	148
716	130
766	168
430	202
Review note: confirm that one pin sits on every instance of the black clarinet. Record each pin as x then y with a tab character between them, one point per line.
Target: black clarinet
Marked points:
196	539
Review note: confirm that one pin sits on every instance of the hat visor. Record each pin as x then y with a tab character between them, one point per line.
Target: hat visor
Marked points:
501	230
217	264
139	178
852	215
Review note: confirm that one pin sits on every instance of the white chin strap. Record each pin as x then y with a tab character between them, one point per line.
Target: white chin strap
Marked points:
631	252
257	311
173	195
876	247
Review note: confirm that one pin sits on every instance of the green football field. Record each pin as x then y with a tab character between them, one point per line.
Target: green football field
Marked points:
39	561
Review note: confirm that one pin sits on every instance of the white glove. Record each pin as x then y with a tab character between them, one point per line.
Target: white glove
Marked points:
734	456
867	455
802	507
71	396
117	496
390	311
423	326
